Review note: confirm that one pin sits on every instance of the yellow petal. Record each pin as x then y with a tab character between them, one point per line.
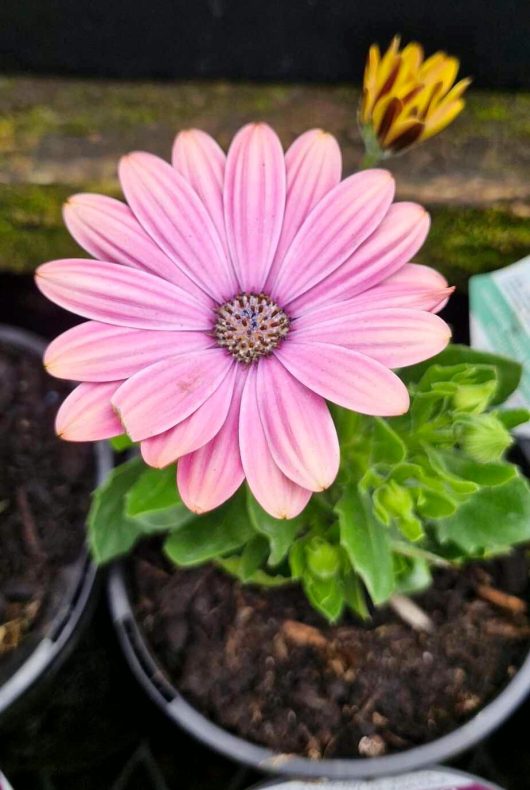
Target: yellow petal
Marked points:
403	133
388	63
444	115
413	56
380	110
370	82
457	91
431	65
419	105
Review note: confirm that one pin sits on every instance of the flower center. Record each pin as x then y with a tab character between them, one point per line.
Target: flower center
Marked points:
250	326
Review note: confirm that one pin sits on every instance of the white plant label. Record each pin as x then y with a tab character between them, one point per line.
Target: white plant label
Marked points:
499	305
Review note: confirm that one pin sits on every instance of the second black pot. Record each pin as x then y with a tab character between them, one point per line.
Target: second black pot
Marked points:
81	587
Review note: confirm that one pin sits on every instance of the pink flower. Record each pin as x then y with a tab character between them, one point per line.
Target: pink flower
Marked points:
230	299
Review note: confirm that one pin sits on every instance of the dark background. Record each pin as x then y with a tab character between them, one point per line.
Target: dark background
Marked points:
323	40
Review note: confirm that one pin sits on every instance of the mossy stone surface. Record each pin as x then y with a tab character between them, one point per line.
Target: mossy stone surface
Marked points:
60	136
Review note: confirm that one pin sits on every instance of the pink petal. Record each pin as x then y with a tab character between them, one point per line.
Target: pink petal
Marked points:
201	160
399	236
254	202
413	285
193	432
176	218
395	337
336	226
278	495
87	415
209	476
346	377
298	427
314	164
118	295
102	352
109	231
160	396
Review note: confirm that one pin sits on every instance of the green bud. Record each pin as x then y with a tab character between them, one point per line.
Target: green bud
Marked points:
474	398
323	559
484	438
396	499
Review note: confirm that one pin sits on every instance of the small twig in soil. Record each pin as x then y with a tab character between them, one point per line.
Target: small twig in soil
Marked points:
411	613
501	599
303	635
29	528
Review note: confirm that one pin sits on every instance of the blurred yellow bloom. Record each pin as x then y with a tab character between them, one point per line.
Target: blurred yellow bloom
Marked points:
406	98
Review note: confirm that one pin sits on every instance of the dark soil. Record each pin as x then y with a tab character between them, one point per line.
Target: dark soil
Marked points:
44	493
265	665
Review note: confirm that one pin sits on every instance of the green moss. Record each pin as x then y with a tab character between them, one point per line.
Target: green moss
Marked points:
462	242
31	227
467	241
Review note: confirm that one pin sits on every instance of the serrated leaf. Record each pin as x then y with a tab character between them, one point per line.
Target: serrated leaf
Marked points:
279	532
366	543
508	371
457	485
155	489
111	532
494	516
494	473
212	535
387	447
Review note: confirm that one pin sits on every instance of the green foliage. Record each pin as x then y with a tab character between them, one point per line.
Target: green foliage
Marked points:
111	530
428	488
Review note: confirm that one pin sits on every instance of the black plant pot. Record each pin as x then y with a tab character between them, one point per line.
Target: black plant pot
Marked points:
78	597
158	687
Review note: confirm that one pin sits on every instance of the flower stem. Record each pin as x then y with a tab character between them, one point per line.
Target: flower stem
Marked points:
369	159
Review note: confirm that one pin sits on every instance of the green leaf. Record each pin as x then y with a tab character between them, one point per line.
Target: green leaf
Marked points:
254	555
323	560
121	443
326	595
354	595
511	418
493	517
457	485
413	575
387	447
297	562
110	531
492	474
366	543
508	371
434	504
280	532
155	489
232	565
212	535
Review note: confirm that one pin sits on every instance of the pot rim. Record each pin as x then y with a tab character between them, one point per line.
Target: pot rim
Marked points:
57	642
152	677
430	773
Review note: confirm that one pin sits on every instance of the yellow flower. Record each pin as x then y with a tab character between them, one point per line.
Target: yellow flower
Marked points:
406	98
